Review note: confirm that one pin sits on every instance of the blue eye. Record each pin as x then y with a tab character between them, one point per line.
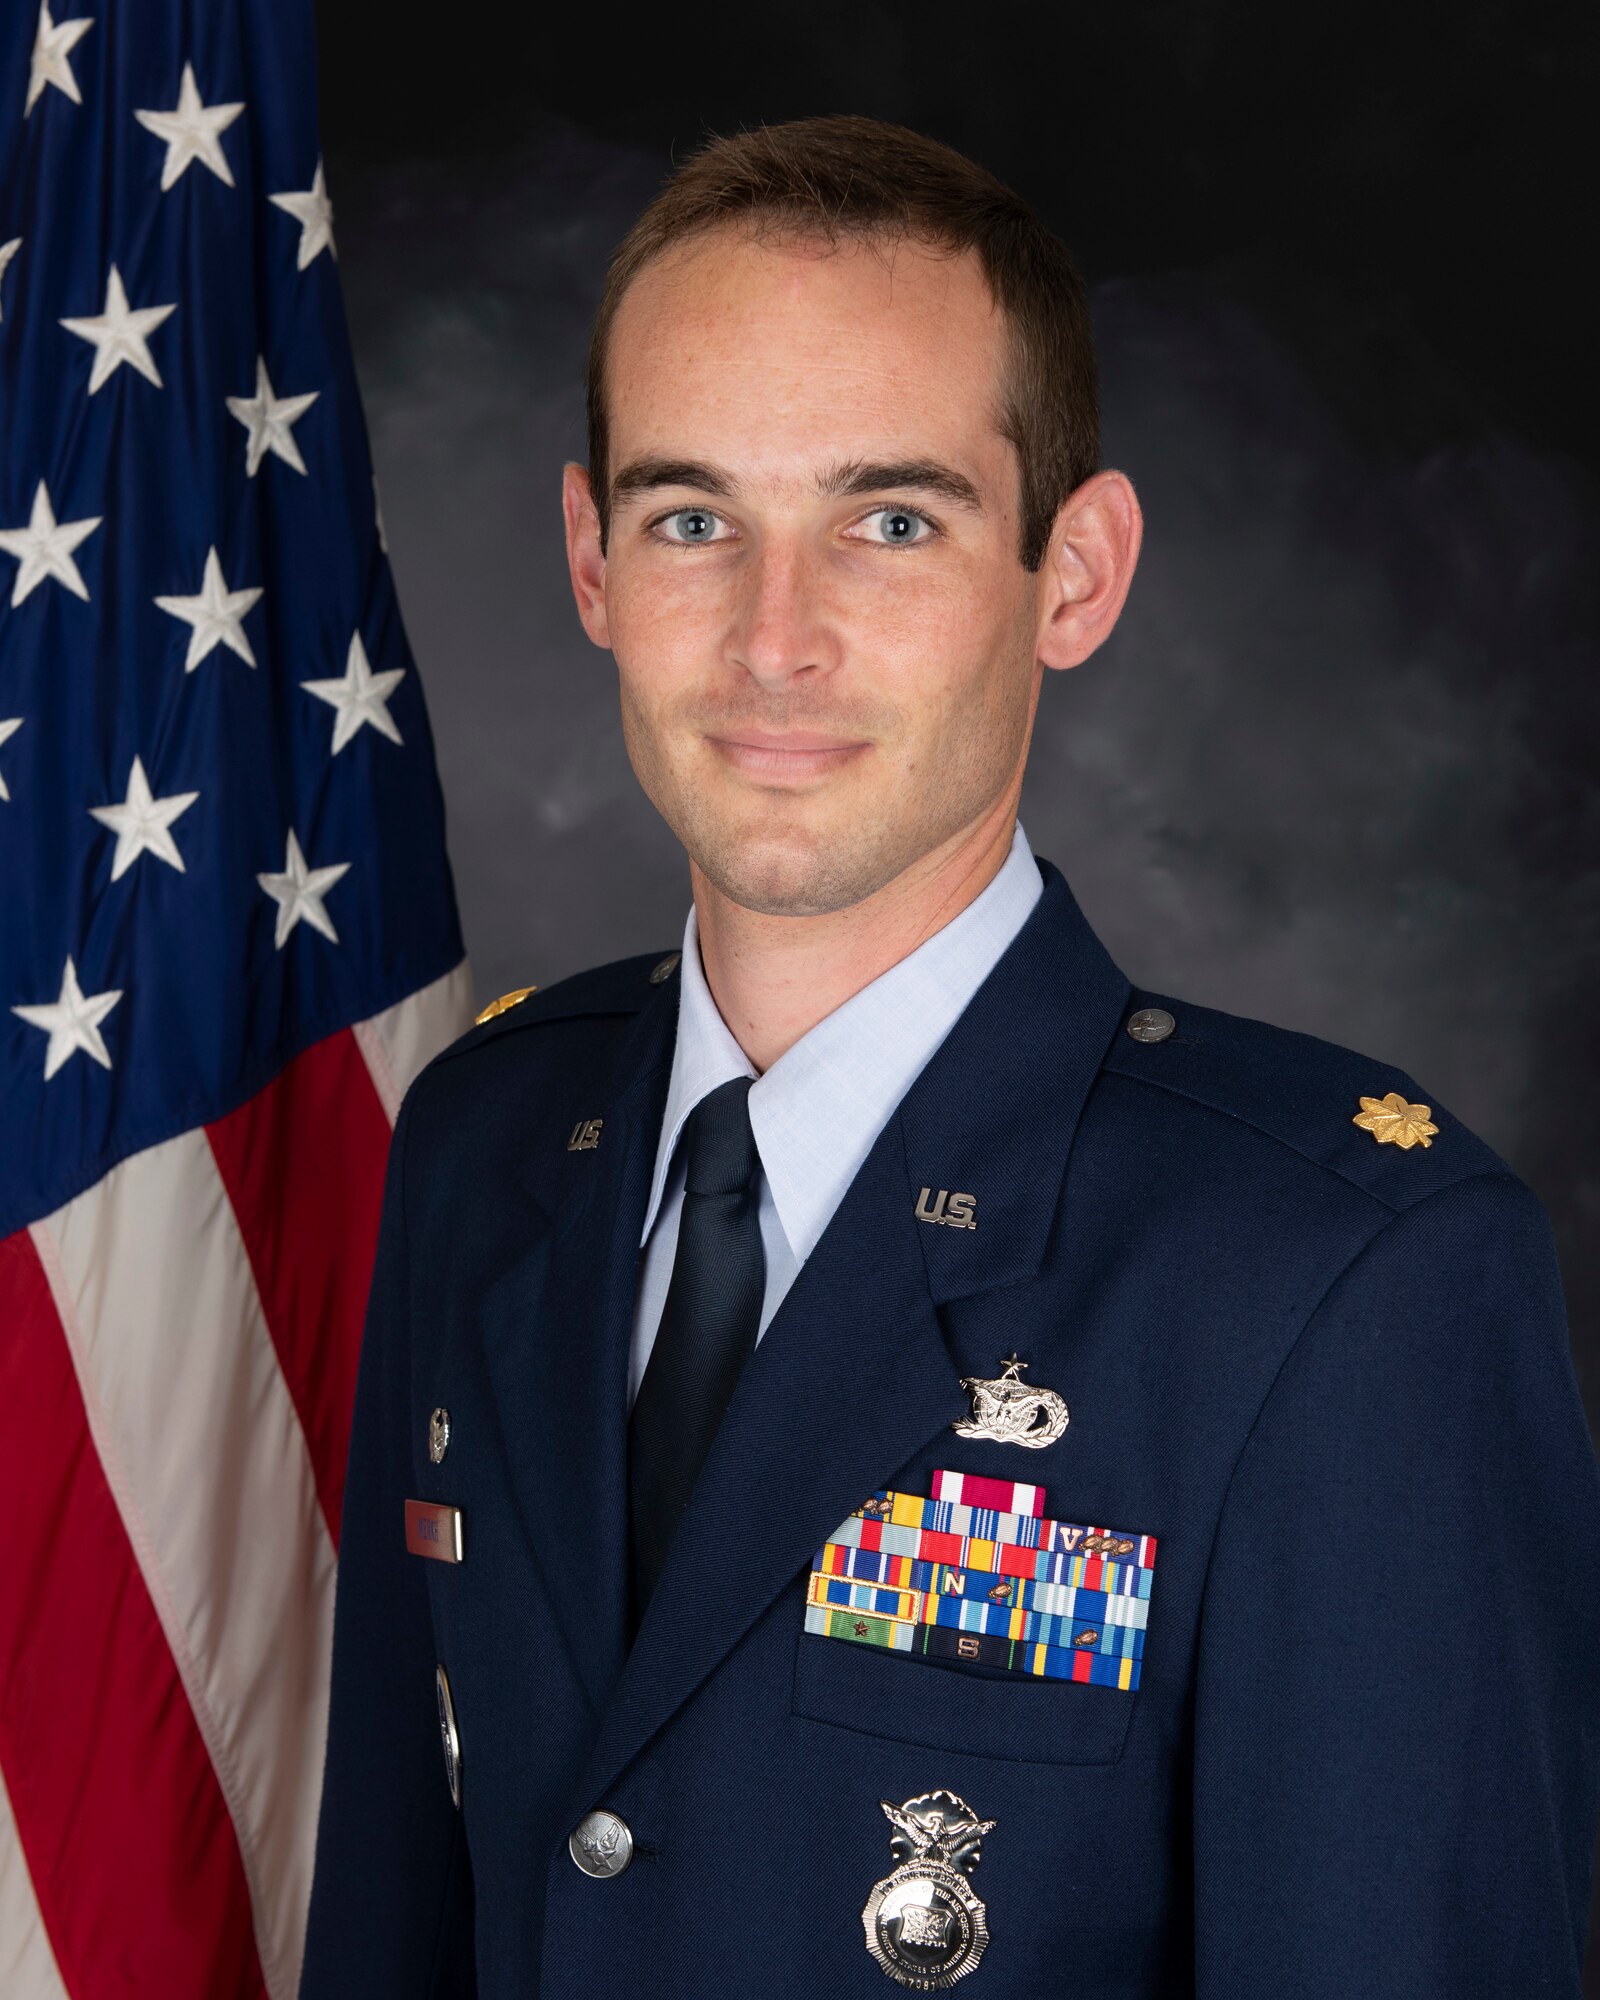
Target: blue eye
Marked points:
689	525
900	527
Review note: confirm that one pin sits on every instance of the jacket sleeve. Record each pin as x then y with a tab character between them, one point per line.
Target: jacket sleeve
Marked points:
391	1898
1397	1720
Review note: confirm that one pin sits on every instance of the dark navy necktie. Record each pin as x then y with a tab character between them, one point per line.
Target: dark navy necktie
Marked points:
708	1326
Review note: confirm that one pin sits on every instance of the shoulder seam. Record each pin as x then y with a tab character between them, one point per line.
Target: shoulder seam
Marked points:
515	1018
1338	1173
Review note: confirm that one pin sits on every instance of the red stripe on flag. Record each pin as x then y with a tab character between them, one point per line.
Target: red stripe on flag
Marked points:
133	1857
303	1164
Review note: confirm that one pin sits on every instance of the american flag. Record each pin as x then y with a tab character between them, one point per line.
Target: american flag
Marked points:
228	940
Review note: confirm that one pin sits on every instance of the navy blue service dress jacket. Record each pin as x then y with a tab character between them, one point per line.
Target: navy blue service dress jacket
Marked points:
1330	1376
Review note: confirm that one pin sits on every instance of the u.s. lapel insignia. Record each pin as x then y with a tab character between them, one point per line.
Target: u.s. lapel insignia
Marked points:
925	1925
1008	1410
955	1211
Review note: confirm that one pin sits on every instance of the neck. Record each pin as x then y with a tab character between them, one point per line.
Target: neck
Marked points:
774	978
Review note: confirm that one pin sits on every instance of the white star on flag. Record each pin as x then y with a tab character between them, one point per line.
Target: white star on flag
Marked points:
141	823
8	729
51	47
298	892
118	334
216	615
7	252
360	696
72	1022
44	548
193	131
314	213
268	419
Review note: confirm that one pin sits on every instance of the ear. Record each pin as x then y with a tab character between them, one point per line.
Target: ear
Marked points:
1088	566
586	560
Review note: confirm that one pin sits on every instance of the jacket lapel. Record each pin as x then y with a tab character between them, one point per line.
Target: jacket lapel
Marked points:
853	1376
556	1329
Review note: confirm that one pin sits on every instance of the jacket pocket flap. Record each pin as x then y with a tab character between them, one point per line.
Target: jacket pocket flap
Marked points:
912	1700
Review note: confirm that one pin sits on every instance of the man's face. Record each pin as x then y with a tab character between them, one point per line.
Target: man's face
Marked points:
825	638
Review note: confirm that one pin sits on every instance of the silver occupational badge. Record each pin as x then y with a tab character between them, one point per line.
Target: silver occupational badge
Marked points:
1008	1411
438	1435
924	1924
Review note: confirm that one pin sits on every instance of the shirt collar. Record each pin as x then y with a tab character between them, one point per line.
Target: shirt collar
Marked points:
818	1109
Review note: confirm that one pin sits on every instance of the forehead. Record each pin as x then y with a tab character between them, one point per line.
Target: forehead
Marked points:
762	354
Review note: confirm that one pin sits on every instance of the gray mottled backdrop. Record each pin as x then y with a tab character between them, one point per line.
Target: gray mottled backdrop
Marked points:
1336	768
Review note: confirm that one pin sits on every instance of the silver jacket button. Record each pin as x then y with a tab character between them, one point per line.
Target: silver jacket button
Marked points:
601	1844
1151	1024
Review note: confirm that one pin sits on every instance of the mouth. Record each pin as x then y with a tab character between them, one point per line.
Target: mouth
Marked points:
792	755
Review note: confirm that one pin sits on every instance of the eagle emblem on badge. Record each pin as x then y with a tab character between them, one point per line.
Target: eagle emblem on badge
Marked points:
1007	1410
924	1923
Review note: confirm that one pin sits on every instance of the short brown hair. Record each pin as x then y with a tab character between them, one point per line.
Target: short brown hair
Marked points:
858	177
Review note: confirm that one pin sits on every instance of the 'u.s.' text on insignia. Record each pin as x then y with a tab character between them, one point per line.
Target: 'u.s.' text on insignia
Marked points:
438	1435
1393	1122
953	1210
585	1135
1008	1410
925	1924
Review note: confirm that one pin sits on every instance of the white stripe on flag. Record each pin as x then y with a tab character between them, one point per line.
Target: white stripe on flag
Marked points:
405	1037
27	1964
204	1453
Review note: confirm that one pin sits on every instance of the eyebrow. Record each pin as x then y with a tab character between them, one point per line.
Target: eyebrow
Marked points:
645	475
926	475
850	477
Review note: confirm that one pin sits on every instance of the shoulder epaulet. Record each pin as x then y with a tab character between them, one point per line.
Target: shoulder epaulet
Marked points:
622	987
1359	1118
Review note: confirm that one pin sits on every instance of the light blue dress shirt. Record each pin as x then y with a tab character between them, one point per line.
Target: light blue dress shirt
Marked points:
817	1111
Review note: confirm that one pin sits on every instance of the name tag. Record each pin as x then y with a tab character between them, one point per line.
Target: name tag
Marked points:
433	1531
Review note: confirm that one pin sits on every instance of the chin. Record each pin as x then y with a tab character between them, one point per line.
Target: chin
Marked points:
793	871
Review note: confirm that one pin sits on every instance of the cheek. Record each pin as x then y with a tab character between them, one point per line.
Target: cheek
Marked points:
663	636
940	638
659	605
964	690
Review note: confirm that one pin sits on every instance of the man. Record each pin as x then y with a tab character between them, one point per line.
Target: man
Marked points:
945	1465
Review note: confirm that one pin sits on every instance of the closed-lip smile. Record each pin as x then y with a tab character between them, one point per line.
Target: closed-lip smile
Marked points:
785	753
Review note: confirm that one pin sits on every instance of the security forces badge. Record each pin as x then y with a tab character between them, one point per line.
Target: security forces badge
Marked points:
925	1925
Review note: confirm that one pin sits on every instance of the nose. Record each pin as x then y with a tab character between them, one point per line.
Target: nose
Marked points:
779	628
